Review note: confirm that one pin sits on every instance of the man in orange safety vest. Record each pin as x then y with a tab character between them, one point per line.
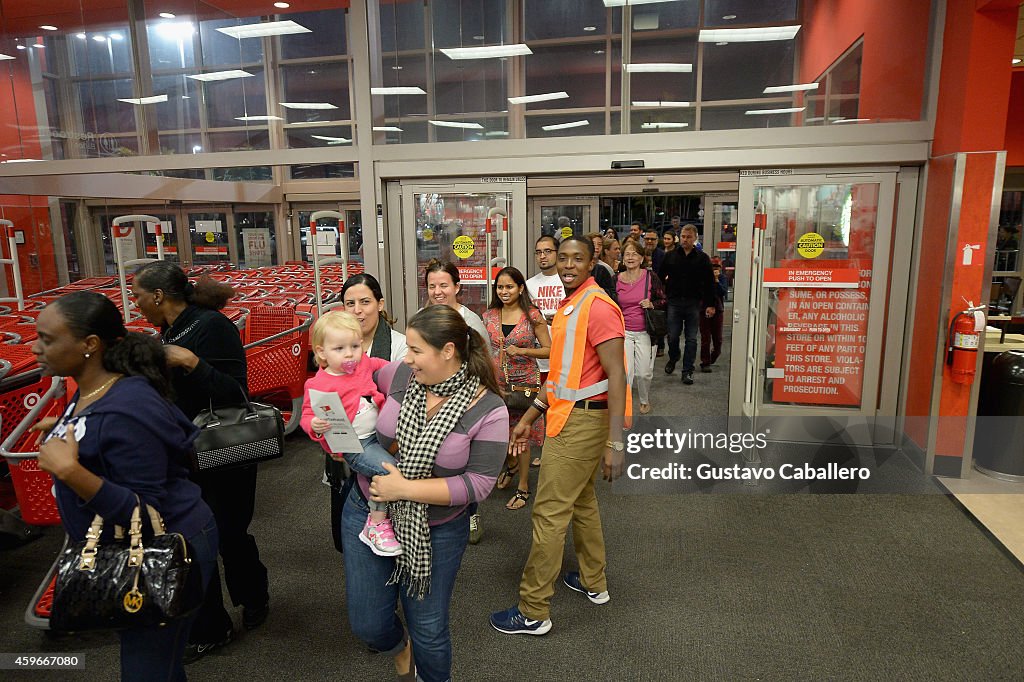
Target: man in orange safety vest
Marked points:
585	403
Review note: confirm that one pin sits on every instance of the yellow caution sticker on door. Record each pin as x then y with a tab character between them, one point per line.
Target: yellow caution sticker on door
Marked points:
210	237
566	232
810	245
428	234
463	246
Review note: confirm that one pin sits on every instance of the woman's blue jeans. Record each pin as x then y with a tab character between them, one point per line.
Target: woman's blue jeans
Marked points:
373	604
155	654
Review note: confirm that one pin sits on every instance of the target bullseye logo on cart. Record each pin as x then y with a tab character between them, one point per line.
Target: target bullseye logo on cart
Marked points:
463	246
296	349
31	400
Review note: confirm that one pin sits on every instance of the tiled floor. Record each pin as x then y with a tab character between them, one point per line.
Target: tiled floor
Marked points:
998	505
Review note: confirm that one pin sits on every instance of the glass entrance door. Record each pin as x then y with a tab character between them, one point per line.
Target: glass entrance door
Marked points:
810	316
473	225
329	244
721	213
564	217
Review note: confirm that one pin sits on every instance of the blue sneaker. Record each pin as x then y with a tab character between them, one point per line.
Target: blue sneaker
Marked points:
513	622
572	581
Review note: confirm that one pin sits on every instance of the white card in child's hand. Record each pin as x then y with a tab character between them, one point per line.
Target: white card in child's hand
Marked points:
341	437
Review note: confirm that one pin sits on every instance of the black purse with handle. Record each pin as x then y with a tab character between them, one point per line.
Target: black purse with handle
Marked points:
237	435
125	584
656	320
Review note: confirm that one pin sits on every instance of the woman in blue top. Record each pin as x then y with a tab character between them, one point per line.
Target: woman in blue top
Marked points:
118	441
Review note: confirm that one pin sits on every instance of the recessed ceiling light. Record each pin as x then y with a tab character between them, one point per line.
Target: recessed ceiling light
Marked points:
487	52
527	99
387	129
456	124
307	105
221	75
155	99
5	56
116	36
281	5
748	35
478	37
80	36
100	39
590	28
767	112
563	126
1016	60
659	68
722	44
21	47
496	133
790	88
166	15
258	118
408	90
262	30
598	51
39	45
729	17
48	27
397	68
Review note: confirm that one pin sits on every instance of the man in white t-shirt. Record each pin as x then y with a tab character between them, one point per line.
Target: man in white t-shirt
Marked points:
546	290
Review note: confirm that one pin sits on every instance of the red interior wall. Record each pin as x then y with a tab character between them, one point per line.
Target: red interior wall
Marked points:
895	48
30	214
1015	121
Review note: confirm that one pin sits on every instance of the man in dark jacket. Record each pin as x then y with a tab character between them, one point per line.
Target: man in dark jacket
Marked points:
689	288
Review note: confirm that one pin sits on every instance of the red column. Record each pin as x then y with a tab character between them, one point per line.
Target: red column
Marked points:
964	177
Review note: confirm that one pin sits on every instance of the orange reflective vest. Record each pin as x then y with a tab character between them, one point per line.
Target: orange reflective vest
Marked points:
568	346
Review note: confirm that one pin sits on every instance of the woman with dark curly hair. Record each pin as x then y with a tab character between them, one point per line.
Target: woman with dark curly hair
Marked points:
204	351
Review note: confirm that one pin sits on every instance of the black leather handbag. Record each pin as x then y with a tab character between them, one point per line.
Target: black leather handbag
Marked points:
237	435
124	584
656	322
519	397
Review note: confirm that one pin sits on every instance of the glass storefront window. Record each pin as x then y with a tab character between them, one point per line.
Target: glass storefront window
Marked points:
322	171
220	49
257	243
239	140
171	44
744	70
401	26
585	83
209	237
316	136
728	13
230	101
327	25
101	110
101	53
315	84
544	19
469	23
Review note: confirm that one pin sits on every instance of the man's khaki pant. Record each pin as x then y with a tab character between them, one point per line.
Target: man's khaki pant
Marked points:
565	491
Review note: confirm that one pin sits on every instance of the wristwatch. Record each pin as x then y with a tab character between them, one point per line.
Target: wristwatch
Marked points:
618	445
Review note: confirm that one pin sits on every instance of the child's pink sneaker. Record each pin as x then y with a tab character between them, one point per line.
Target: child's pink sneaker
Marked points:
380	538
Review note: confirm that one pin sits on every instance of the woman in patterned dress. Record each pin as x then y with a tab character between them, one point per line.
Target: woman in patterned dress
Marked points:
519	336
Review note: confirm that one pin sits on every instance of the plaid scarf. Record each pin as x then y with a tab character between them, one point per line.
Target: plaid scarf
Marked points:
418	442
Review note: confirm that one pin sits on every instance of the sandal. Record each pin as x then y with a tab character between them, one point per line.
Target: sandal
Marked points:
505	477
522	496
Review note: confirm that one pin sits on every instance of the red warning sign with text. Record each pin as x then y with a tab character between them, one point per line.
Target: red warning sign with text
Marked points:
820	338
819	276
471	275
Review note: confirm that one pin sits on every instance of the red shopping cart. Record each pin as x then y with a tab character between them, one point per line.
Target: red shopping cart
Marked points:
277	353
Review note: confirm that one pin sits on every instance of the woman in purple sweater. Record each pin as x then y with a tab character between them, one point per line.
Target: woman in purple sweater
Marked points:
447	424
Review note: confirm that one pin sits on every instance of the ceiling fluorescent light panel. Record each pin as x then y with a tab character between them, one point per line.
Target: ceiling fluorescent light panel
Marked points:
563	126
642	104
659	68
456	124
267	28
790	88
527	99
221	75
400	90
623	3
486	52
667	124
387	129
258	118
748	35
156	99
5	56
331	140
307	105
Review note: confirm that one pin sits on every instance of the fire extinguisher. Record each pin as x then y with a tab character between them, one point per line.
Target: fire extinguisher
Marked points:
962	343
